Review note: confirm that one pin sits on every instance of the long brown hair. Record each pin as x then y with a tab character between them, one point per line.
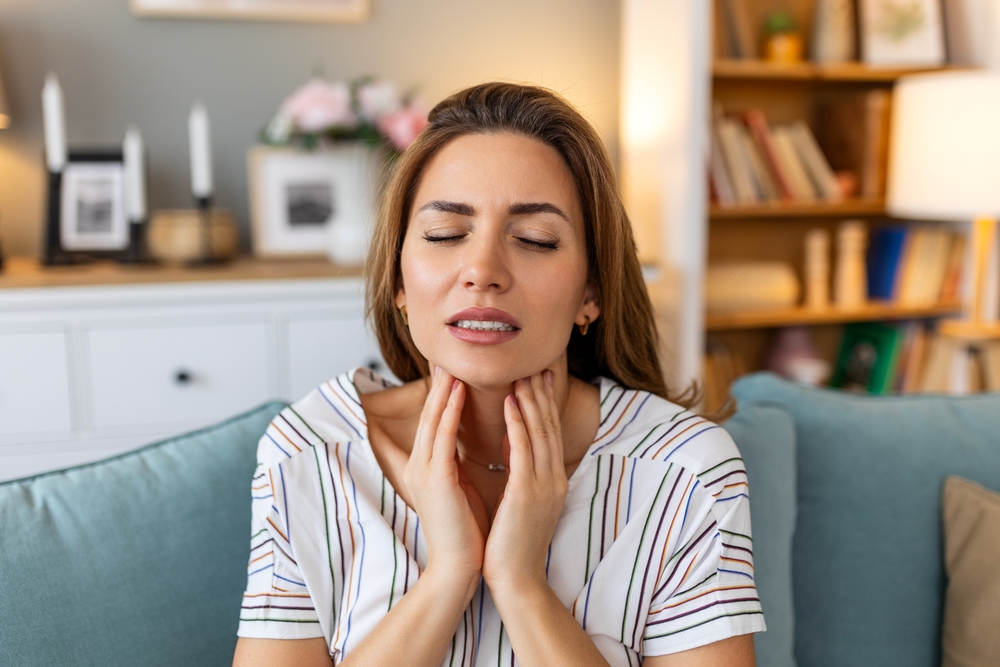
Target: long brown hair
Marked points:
622	343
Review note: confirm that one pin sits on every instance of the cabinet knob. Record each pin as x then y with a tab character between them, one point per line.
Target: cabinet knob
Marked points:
374	365
183	377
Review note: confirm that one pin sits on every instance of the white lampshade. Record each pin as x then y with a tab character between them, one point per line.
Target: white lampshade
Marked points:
944	161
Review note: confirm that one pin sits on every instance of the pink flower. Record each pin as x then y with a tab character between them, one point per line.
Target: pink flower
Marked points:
378	99
403	126
320	105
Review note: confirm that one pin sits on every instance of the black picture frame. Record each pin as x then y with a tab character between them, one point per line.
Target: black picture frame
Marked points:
95	180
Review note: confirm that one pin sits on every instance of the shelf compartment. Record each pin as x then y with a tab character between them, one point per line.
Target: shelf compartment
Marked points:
873	312
820	209
852	72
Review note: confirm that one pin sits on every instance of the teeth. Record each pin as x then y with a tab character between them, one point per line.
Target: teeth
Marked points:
476	325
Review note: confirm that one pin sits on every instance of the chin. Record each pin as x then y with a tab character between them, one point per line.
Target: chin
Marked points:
501	371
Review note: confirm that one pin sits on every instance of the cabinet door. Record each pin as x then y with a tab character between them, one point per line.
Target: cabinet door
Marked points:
183	374
320	349
34	384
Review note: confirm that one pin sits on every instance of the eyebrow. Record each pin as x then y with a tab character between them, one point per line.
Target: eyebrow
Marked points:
515	209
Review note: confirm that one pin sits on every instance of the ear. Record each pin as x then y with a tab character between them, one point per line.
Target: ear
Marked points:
590	308
400	298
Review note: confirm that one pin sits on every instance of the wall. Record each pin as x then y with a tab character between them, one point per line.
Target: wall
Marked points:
116	68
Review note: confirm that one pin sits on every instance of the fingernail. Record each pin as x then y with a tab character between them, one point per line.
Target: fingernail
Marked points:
454	385
548	378
436	369
512	399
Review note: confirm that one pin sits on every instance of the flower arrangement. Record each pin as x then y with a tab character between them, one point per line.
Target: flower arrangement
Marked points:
367	109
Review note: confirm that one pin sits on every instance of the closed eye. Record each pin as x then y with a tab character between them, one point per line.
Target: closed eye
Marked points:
443	239
546	245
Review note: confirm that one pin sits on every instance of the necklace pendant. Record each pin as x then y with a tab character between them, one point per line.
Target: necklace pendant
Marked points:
496	467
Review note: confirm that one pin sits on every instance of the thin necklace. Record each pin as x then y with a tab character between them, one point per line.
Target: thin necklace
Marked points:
492	467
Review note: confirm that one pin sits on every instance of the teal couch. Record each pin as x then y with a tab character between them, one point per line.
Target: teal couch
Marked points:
848	540
136	560
140	559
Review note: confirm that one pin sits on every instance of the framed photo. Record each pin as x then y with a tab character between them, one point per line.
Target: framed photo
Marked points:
92	204
297	196
261	10
902	32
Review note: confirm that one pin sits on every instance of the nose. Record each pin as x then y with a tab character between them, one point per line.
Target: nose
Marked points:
485	267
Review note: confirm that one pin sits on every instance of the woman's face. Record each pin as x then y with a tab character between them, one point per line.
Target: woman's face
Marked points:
494	262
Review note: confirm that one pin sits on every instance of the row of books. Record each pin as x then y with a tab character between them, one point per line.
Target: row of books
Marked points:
848	155
910	358
752	162
916	265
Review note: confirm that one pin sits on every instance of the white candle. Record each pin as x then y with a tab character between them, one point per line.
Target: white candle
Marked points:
54	121
135	175
201	152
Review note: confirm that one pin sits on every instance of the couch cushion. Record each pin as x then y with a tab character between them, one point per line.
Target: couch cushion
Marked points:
765	436
867	568
136	560
971	549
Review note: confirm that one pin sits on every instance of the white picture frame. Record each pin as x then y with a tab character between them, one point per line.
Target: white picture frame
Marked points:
902	33
333	11
92	207
297	196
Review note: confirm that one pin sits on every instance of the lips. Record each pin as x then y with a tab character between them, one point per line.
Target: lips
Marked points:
485	315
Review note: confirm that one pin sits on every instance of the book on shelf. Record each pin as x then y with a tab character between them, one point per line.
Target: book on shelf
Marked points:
731	148
915	265
819	169
853	131
868	358
761	164
761	131
734	32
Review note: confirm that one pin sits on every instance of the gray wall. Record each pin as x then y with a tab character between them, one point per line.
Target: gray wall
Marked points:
116	68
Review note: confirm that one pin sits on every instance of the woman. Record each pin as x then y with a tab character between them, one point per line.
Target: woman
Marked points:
529	490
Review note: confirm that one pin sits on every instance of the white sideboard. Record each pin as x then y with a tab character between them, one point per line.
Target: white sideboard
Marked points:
90	371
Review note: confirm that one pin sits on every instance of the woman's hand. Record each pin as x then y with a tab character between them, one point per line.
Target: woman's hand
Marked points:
451	511
532	501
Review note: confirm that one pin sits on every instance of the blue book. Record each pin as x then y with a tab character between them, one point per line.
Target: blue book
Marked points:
884	256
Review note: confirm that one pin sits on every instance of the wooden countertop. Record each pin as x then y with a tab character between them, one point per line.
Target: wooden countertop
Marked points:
28	272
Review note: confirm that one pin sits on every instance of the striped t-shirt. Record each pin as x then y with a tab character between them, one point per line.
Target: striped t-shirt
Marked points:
652	553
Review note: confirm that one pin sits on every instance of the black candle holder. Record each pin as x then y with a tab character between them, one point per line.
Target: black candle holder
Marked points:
138	250
53	253
207	257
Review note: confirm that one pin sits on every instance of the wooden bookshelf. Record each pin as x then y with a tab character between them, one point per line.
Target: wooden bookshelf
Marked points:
873	312
845	209
852	72
776	231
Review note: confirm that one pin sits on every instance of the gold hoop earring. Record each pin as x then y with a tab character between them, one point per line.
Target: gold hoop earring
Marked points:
406	320
584	327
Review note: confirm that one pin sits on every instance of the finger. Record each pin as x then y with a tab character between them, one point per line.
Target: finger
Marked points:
430	416
520	446
558	450
446	437
505	451
538	431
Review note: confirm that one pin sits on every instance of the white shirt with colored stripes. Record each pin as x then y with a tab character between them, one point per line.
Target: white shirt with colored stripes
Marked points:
652	553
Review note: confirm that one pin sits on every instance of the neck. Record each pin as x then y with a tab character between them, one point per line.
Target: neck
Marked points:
483	425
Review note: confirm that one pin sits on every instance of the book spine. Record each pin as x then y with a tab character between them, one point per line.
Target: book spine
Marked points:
729	136
792	165
875	151
762	134
815	162
761	174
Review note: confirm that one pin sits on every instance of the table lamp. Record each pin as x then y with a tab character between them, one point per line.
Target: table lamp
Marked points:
944	164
